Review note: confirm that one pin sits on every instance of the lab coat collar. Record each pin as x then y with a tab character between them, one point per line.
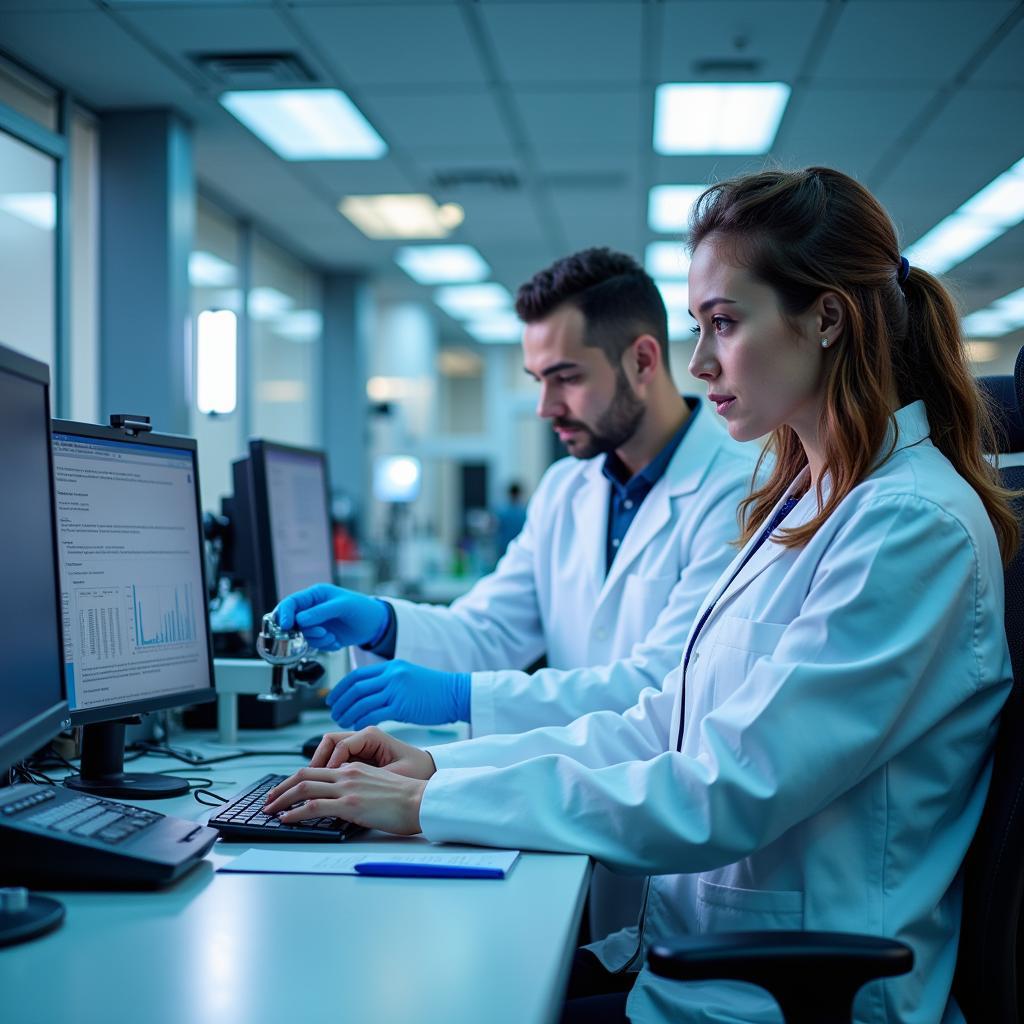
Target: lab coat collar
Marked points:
908	427
684	474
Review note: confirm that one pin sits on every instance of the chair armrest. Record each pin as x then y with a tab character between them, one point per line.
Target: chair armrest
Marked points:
814	976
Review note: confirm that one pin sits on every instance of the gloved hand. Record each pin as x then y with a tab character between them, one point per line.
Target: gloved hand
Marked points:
331	617
401	691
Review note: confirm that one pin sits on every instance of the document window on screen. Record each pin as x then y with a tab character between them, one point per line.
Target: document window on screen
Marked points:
131	578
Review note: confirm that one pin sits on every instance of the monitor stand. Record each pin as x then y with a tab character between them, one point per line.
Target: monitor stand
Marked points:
103	773
24	916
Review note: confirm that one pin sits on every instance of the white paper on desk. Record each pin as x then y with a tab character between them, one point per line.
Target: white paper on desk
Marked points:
296	862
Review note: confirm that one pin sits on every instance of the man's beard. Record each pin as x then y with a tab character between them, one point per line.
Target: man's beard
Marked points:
615	426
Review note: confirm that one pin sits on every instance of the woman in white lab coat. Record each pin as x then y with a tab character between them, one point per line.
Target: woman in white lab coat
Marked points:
821	756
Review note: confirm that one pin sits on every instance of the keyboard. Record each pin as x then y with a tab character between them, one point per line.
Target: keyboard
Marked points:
51	836
242	817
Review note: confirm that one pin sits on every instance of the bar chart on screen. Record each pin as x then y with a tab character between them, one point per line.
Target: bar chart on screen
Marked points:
162	614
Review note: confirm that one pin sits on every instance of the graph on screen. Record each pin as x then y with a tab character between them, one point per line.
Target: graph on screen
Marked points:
163	614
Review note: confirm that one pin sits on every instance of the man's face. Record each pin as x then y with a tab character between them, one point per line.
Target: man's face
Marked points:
591	403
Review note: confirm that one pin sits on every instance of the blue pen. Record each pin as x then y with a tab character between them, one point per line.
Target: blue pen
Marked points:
395	869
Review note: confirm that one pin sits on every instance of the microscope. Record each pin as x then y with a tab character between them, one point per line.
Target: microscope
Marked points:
286	663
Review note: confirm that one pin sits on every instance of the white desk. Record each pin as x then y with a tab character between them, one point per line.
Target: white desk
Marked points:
299	949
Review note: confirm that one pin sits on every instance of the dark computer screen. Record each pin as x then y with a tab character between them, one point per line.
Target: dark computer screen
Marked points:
290	520
31	695
131	569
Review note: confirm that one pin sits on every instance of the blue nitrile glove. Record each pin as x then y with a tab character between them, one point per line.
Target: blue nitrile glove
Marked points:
401	691
331	617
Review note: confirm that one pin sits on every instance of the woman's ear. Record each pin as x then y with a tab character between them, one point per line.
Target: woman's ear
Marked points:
831	316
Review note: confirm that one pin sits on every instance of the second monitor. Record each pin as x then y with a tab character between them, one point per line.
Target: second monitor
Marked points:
133	593
283	530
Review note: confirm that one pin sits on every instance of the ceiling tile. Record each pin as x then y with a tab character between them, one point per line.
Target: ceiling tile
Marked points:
394	45
430	123
1003	65
775	35
848	129
96	58
582	123
907	42
557	42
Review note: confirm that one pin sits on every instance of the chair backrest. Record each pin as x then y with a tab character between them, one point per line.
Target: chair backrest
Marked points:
987	983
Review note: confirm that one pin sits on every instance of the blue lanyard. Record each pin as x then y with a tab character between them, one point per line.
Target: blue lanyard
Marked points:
787	506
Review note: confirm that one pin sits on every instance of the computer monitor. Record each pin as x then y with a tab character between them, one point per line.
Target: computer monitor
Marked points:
32	705
283	527
133	592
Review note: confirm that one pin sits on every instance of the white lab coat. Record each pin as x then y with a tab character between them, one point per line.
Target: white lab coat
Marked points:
605	638
841	702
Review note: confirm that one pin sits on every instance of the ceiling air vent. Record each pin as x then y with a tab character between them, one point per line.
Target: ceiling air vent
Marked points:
586	180
728	69
489	179
254	70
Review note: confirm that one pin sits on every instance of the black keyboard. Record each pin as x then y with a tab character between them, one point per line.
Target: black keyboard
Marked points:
242	817
51	836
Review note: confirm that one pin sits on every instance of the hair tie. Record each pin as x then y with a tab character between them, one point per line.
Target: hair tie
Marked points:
904	272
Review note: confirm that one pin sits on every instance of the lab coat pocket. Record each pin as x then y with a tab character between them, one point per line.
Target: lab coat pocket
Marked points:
737	645
721	908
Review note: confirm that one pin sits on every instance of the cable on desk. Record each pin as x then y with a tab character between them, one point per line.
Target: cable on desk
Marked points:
217	798
196	761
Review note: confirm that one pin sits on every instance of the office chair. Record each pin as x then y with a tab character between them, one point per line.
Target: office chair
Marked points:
814	976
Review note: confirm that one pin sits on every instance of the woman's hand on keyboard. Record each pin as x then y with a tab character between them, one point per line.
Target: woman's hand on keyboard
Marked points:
360	793
372	746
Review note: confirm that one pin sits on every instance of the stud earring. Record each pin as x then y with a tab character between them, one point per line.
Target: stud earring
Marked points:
824	342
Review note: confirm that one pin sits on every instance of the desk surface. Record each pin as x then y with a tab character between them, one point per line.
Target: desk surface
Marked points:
298	949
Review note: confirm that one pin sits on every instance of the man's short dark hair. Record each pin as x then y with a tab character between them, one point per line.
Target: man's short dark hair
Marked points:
617	297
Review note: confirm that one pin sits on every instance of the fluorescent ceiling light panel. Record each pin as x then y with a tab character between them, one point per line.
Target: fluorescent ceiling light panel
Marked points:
729	117
442	264
988	214
36	208
676	294
307	124
679	325
300	325
402	216
496	328
208	271
668	207
1002	317
268	303
216	361
471	301
667	260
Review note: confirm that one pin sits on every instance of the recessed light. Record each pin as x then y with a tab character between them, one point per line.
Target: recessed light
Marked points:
411	215
307	124
470	301
988	214
667	260
668	207
496	328
1002	317
725	117
442	264
268	303
208	271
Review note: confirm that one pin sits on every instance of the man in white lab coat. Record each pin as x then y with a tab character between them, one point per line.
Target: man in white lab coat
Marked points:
621	541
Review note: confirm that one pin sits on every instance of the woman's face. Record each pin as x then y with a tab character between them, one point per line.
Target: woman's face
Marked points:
761	368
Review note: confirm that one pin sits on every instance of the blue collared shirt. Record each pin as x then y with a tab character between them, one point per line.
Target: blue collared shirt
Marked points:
625	498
